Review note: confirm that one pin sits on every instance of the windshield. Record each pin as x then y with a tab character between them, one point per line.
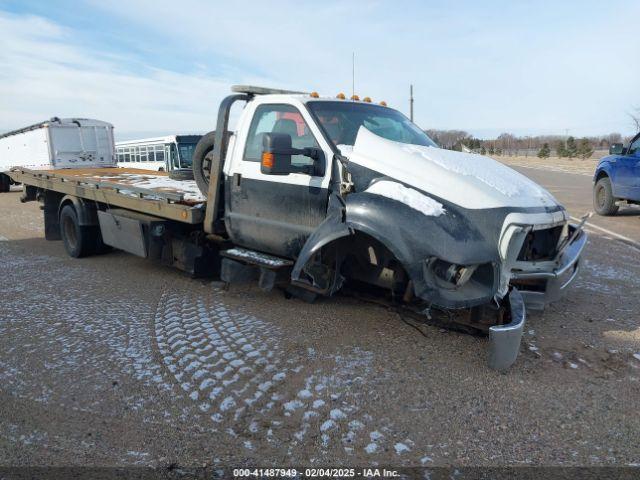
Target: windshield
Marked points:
341	121
186	152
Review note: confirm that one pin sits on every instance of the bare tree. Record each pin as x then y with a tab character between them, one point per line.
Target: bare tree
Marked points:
635	118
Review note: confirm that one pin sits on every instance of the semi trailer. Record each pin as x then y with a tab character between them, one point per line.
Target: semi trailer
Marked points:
314	195
54	144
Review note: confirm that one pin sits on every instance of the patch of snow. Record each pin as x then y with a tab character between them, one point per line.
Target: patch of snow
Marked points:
327	425
356	425
227	403
371	448
636	356
401	448
188	188
310	414
408	196
256	257
318	403
293	405
304	394
337	414
375	436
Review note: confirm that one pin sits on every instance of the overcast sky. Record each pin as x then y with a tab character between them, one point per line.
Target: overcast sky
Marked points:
161	67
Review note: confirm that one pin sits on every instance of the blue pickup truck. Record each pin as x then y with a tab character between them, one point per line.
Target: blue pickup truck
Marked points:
617	178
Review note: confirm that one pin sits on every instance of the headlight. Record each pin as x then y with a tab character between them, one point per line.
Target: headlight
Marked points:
450	275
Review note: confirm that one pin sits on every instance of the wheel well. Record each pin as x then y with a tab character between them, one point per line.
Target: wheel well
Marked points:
85	210
66	201
601	174
358	257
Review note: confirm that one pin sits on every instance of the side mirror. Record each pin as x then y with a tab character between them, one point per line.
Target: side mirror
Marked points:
616	149
276	154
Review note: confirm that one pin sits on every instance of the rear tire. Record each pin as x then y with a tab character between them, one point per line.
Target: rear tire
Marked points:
202	157
5	183
604	202
79	241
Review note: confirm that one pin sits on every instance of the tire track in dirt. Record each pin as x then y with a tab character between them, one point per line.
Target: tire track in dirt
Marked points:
238	371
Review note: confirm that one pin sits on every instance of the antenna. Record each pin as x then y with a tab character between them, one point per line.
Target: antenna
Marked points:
411	103
353	73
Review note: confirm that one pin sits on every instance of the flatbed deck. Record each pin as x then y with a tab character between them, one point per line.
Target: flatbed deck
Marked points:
144	191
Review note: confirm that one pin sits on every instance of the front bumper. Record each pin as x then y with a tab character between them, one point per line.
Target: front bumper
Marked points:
504	340
535	289
539	288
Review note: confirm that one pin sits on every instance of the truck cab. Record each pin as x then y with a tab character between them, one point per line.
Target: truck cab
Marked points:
617	177
276	213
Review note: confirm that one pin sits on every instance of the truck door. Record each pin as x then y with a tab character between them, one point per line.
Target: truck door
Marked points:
633	155
624	174
275	213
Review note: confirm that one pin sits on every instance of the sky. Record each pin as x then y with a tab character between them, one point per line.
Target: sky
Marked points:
156	67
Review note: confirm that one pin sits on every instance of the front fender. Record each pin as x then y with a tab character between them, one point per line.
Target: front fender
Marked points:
412	237
607	166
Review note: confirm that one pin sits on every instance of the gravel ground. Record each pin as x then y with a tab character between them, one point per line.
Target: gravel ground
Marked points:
112	360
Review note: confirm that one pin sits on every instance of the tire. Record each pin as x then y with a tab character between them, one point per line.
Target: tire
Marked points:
5	183
79	241
604	202
202	157
181	174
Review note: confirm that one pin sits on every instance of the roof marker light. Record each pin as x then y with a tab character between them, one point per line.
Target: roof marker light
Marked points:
383	103
314	95
340	96
367	99
355	98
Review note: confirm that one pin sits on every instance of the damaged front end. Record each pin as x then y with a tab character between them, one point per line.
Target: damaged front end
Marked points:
542	260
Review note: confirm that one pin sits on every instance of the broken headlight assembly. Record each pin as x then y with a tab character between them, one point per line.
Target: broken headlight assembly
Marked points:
466	280
450	275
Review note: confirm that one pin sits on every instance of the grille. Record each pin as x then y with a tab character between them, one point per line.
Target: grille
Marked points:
540	245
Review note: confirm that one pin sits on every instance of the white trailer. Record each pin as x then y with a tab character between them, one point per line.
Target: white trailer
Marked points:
56	144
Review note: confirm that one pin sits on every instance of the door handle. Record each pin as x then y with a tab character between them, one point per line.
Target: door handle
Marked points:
237	180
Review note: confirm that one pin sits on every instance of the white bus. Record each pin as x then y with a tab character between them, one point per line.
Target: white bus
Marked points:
160	154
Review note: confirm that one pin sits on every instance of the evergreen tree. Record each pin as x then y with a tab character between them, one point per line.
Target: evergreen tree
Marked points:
560	150
585	150
483	151
545	151
572	148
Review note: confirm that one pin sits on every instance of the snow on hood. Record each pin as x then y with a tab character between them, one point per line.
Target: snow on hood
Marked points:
413	198
466	179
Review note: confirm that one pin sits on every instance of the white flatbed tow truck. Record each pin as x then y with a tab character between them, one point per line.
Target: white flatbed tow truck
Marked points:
311	194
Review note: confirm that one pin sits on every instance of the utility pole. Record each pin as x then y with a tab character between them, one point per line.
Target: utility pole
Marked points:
411	103
353	74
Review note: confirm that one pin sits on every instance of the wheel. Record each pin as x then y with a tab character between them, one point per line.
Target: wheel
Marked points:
202	157
5	183
604	202
79	241
181	174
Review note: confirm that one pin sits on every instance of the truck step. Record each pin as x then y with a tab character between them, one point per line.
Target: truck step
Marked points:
256	258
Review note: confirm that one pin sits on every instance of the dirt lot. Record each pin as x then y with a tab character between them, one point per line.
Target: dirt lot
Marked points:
112	360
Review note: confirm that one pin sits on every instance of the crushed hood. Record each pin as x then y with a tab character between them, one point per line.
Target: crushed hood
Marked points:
469	180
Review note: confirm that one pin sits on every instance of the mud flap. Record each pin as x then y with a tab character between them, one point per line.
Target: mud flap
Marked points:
504	340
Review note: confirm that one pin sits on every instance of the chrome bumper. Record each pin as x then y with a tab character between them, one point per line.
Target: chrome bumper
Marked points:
551	284
504	340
